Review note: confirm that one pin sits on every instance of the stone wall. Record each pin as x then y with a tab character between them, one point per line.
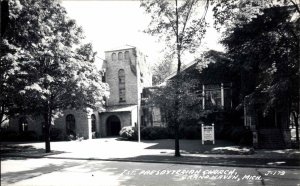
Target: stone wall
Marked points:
112	69
82	122
34	124
137	75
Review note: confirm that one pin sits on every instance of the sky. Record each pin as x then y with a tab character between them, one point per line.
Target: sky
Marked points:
109	24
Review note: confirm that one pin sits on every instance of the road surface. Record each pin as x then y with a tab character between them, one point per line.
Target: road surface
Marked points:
45	171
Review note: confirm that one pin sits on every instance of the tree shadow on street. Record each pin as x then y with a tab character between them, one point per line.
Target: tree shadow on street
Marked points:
196	146
13	177
13	152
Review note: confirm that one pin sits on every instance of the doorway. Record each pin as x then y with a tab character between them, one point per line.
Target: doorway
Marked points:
113	126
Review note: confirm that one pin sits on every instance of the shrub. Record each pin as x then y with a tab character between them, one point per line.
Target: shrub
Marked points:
129	133
97	135
152	133
56	134
93	135
238	134
246	138
190	132
9	136
71	137
28	136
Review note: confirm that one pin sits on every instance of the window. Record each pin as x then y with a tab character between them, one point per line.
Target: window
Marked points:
122	94
114	56
120	56
23	124
213	96
93	122
70	125
104	77
126	55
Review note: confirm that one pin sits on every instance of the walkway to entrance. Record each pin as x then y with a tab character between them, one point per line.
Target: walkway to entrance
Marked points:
113	126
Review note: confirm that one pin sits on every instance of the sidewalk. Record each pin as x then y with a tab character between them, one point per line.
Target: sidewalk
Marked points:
156	151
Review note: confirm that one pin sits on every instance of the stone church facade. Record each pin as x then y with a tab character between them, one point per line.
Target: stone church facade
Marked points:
127	73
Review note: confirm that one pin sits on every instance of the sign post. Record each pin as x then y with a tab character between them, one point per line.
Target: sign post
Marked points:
208	133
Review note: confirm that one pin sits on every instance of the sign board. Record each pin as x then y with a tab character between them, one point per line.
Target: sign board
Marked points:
208	133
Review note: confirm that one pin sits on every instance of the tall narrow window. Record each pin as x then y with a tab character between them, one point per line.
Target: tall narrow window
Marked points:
120	56
126	55
93	123
213	97
104	77
122	85
23	124
114	56
70	125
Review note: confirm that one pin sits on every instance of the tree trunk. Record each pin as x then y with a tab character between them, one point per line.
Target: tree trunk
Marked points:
1	114
177	151
298	47
178	49
47	118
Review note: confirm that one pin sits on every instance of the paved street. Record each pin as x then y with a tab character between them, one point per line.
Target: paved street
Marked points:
108	161
193	152
44	171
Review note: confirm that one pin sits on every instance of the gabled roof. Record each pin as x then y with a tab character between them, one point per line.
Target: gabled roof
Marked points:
211	57
185	67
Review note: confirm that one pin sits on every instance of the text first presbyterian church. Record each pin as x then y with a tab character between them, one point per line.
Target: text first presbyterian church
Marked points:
127	73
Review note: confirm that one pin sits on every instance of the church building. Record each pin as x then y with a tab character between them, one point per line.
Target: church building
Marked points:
127	73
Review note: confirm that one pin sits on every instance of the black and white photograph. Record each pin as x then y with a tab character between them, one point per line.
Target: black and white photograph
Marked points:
150	92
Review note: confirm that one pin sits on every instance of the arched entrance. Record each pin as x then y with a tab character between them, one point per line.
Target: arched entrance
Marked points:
113	126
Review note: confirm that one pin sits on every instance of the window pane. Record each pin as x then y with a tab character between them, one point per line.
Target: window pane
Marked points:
126	55
70	125
23	124
120	56
114	56
213	99
93	123
121	75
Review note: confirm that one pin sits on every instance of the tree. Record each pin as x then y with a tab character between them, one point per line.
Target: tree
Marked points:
273	64
54	70
229	14
8	84
181	26
162	70
188	98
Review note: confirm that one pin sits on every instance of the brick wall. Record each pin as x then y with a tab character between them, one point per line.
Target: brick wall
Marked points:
137	75
112	78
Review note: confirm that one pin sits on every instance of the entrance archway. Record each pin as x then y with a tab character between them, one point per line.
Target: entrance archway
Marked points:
113	126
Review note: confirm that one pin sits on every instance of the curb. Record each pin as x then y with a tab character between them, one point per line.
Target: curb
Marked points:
157	161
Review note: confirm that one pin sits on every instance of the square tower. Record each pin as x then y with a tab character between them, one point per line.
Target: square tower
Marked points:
126	73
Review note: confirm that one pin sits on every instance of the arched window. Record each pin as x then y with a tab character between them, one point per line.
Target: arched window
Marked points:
114	56
122	95
120	56
70	125
93	122
23	124
126	55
